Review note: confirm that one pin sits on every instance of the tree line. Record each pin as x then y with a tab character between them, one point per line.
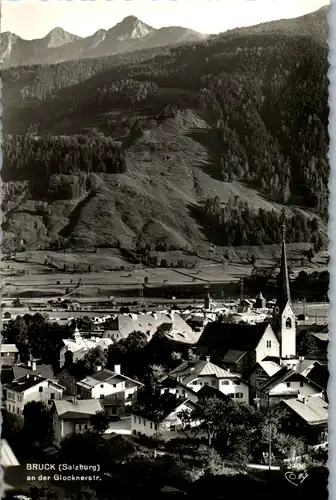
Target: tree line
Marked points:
31	157
236	223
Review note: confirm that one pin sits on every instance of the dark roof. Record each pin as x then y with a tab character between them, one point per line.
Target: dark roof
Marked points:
24	383
164	406
45	371
230	336
320	375
211	392
284	375
168	382
103	375
233	356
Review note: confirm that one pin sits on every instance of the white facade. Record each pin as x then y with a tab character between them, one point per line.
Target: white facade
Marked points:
102	389
233	387
80	344
288	332
78	424
304	388
167	429
269	345
43	391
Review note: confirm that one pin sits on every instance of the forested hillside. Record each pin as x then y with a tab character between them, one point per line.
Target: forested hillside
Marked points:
241	115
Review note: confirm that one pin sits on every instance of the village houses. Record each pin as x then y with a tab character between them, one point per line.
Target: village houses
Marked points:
195	375
164	422
30	388
73	417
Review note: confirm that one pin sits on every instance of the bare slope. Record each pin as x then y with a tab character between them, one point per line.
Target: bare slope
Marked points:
153	202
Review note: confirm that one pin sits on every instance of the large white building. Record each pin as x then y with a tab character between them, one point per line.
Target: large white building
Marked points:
79	346
30	388
106	383
202	373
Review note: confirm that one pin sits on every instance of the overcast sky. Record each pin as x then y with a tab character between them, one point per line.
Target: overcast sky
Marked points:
35	18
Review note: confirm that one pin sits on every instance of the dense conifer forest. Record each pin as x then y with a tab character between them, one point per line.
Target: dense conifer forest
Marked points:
259	108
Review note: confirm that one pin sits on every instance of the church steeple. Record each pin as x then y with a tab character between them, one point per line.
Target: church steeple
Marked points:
284	321
283	281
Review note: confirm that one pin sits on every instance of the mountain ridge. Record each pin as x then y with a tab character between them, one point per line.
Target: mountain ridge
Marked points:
157	152
59	45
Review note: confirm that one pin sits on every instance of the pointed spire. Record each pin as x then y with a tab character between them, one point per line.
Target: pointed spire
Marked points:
283	283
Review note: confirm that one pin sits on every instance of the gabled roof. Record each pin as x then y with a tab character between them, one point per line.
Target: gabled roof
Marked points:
81	408
233	356
270	367
312	409
166	404
224	337
168	382
319	375
11	348
25	383
211	392
81	343
45	371
306	364
284	375
173	325
106	376
323	337
189	371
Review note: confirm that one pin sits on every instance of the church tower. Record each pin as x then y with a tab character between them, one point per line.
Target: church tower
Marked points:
284	322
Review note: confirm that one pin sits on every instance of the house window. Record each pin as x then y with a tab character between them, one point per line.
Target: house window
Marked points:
134	432
213	382
238	382
301	384
101	396
102	386
40	389
85	426
151	425
195	382
268	343
52	395
18	411
155	426
114	385
225	382
231	395
172	427
139	420
288	323
144	422
134	420
288	384
79	427
239	395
